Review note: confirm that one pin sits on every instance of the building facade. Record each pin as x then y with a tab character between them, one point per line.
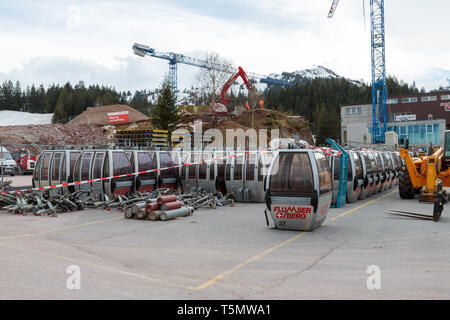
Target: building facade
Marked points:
421	118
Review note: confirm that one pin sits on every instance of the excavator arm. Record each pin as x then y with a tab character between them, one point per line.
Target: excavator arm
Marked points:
239	73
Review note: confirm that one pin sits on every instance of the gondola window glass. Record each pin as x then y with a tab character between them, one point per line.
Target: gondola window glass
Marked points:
220	165
264	164
85	165
325	182
379	164
367	162
349	168
292	175
121	163
165	162
358	166
73	160
97	168
396	164
228	170
63	168
337	167
202	167
388	161
238	164
191	169
36	170
56	166
146	162
250	169
45	166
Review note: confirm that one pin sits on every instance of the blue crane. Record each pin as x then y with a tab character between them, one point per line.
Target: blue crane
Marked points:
379	92
175	58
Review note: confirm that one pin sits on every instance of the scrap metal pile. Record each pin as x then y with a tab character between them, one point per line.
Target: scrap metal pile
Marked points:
160	204
166	207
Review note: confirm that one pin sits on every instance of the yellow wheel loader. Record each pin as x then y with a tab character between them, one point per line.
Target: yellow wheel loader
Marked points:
427	175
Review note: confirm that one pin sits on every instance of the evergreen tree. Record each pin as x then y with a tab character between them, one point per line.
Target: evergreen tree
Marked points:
165	112
63	106
18	97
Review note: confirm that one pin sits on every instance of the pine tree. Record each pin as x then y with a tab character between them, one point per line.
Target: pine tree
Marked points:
165	113
63	107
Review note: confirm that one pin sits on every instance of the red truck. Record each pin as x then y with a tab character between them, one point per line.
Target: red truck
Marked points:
25	162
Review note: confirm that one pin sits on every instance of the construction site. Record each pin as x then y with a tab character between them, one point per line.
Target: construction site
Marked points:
238	202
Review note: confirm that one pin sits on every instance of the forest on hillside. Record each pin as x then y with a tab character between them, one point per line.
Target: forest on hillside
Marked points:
66	102
317	100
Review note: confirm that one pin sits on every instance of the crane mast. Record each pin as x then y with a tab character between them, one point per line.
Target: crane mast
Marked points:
379	91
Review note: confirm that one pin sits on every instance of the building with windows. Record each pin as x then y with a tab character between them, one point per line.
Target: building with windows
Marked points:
421	118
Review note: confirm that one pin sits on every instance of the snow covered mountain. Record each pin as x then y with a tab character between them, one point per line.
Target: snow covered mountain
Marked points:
309	74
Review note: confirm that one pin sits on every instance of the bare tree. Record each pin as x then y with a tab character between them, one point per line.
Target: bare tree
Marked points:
211	80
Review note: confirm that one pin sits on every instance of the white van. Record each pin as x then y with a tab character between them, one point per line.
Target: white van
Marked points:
7	162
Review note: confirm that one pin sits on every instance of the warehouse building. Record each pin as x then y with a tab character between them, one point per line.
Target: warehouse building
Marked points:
421	118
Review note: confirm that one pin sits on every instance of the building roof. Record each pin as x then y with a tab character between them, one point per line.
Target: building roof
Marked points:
99	115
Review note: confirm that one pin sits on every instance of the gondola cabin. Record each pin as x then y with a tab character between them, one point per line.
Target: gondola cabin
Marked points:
55	167
355	181
298	190
95	164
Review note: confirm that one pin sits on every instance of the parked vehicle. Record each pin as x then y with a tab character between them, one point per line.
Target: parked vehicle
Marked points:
7	163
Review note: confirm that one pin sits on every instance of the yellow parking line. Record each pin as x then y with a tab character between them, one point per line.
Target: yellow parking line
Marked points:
60	229
266	252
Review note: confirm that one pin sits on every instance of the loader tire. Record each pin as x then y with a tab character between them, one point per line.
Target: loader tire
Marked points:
405	186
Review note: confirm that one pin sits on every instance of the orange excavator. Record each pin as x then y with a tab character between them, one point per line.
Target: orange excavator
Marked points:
223	105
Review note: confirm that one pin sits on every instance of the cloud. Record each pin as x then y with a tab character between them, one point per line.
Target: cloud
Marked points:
263	36
132	73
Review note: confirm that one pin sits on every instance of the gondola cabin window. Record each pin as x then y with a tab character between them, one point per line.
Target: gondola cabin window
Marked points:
337	167
325	182
73	159
56	166
45	166
86	165
292	175
358	166
165	162
366	160
97	167
250	168
202	167
121	163
146	162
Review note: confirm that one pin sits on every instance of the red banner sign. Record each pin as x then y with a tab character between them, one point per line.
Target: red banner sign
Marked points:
118	117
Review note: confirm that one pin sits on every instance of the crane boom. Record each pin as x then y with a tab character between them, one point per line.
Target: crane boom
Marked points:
175	58
333	8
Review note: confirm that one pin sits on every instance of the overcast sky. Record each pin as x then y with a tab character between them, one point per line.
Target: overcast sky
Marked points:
58	41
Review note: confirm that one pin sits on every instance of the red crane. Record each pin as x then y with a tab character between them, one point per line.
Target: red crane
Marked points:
222	107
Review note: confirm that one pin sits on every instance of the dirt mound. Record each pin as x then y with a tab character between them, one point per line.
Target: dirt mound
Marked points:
49	134
289	126
99	115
